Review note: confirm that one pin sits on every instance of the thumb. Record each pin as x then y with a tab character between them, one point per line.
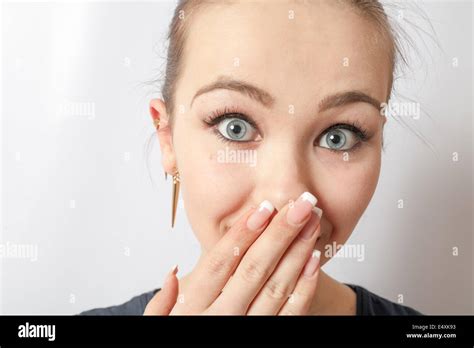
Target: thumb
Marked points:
165	299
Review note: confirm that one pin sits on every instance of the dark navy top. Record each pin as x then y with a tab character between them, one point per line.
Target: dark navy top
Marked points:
368	303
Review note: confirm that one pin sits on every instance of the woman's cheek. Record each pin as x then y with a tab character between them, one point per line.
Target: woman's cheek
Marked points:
346	189
214	189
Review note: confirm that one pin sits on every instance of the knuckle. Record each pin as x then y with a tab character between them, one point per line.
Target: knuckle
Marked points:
280	238
217	263
276	290
239	229
301	301
303	293
285	233
253	271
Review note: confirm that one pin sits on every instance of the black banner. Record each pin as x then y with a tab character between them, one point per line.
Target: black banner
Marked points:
136	331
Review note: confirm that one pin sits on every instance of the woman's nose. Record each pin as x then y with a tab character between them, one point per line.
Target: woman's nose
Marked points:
282	177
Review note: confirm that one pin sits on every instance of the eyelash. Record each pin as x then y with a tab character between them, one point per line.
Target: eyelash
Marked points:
218	115
360	131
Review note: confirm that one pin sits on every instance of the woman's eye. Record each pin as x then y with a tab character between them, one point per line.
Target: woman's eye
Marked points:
339	139
236	129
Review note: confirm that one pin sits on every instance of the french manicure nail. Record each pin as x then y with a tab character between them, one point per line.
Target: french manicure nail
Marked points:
310	228
318	211
260	216
312	264
174	270
171	273
301	208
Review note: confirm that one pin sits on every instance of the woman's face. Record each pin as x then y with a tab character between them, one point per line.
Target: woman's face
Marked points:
293	70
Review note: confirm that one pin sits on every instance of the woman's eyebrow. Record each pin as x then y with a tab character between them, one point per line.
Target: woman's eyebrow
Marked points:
252	91
267	100
345	98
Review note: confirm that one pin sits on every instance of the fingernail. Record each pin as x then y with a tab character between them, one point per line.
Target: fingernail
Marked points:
318	211
310	228
174	270
312	264
171	273
260	216
301	208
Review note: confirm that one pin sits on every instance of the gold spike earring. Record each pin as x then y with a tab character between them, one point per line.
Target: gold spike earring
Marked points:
156	123
176	183
175	197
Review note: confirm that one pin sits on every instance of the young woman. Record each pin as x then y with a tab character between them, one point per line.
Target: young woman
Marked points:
292	90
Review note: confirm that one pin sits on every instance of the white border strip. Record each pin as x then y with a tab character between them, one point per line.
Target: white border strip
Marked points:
1	152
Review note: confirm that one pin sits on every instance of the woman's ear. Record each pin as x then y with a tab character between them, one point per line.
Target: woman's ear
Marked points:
161	122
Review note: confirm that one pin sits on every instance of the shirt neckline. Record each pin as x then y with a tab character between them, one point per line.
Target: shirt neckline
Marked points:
359	298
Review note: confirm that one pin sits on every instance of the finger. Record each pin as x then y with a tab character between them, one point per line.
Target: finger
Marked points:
283	280
263	256
216	267
299	302
165	299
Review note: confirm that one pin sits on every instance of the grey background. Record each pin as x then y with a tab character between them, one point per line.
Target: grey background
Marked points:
75	185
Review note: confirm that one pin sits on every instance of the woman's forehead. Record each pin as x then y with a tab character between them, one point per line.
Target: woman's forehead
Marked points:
285	46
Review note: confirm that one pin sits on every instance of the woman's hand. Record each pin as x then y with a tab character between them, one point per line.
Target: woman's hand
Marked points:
257	267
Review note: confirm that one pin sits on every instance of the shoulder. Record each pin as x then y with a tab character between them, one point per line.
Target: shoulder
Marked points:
134	306
369	303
